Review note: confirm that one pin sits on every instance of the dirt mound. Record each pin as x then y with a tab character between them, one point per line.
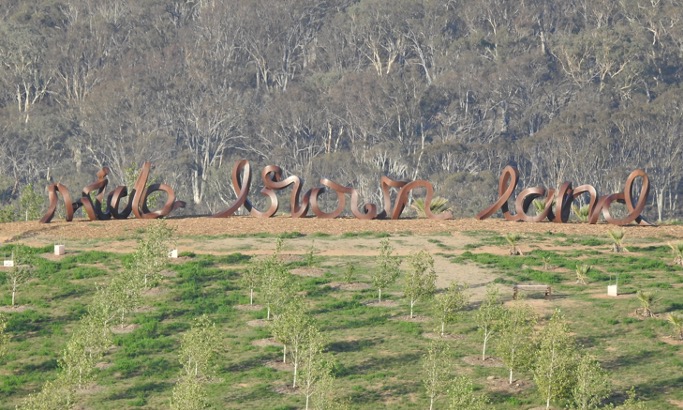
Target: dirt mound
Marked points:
82	229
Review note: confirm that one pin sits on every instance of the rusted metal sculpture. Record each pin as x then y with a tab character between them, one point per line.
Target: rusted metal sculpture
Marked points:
299	205
137	201
558	202
272	179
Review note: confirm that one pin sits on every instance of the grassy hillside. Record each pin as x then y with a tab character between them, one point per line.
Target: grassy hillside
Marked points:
377	351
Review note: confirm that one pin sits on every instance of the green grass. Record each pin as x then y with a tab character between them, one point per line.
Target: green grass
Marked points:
376	355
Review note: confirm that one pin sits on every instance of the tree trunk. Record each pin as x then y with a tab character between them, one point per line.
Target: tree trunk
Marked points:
483	350
251	296
443	327
380	294
412	303
510	382
296	367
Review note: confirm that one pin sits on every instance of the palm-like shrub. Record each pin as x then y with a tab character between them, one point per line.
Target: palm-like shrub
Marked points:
676	320
617	237
647	301
438	205
677	251
512	240
582	273
581	212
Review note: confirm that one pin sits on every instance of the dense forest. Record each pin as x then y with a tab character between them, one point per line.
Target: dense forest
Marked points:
445	90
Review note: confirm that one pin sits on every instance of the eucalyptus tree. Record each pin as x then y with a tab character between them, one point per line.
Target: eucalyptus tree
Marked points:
554	364
151	253
461	395
387	268
4	337
448	303
489	317
420	280
515	342
592	383
20	273
316	381
198	348
436	368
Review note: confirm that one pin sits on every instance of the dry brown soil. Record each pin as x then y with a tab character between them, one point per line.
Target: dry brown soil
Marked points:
244	225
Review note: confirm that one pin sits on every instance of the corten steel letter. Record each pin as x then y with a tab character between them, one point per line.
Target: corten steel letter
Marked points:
626	197
94	211
341	192
506	187
137	202
241	181
563	200
52	193
140	209
299	206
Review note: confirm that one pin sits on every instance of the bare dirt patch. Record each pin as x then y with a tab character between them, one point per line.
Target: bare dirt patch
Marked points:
348	286
279	365
82	229
446	336
257	323
248	308
15	308
499	384
266	342
677	403
119	330
489	362
671	341
308	272
155	291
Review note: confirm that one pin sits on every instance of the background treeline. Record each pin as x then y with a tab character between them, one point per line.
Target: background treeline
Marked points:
445	90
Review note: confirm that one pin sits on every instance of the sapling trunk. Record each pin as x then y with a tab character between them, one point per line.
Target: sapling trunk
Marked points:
380	294
251	296
296	367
